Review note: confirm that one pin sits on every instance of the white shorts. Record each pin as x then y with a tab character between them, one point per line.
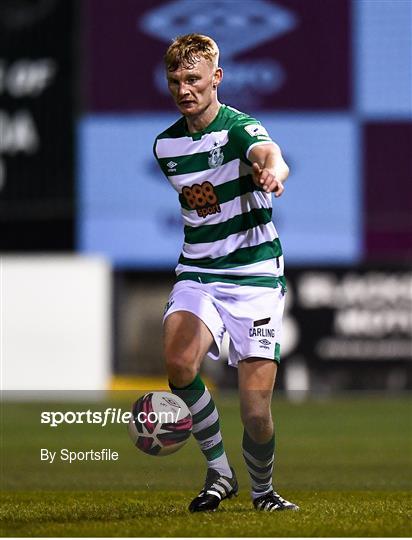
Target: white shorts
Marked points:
252	316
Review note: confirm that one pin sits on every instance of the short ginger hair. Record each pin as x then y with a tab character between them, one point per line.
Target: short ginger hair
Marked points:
185	51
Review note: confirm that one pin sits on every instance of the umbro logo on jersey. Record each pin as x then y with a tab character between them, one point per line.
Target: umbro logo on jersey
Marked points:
171	166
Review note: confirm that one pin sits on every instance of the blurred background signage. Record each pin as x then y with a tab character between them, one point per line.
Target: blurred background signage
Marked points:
36	125
353	313
270	52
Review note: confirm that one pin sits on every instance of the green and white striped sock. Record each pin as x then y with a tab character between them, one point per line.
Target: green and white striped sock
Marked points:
206	427
259	459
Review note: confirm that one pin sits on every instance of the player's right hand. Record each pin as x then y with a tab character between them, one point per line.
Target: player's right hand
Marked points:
266	179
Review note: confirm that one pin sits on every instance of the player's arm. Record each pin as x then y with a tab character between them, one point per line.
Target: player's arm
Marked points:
269	169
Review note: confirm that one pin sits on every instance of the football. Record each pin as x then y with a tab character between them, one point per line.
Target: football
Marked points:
161	423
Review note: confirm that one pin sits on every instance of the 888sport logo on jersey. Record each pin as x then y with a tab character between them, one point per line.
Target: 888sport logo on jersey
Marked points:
202	198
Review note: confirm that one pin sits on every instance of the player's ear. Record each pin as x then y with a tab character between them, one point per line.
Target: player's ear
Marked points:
217	77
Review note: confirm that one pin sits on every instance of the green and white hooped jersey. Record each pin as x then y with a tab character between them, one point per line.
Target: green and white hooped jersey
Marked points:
228	228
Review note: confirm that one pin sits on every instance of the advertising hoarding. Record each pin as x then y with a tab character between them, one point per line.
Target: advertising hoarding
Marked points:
36	126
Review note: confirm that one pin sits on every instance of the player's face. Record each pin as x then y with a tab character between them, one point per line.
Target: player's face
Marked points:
192	88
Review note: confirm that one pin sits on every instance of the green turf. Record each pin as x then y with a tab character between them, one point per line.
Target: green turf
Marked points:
346	462
327	513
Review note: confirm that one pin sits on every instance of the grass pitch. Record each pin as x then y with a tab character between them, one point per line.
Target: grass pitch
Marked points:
346	462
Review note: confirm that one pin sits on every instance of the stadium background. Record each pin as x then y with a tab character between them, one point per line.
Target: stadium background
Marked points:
90	231
82	97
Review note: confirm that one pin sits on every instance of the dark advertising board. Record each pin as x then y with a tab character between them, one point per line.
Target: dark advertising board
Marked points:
289	54
36	125
342	314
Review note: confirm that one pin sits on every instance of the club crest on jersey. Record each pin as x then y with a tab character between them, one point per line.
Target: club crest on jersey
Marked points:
216	157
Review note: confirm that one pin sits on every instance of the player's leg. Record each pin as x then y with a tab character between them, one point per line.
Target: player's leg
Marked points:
187	339
186	342
253	318
256	381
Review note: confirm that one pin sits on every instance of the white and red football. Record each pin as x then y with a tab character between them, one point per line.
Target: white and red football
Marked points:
161	423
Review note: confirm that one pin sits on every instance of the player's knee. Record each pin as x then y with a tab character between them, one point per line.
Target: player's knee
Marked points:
259	425
181	370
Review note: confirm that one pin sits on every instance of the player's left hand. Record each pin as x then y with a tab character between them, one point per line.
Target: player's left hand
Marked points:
265	179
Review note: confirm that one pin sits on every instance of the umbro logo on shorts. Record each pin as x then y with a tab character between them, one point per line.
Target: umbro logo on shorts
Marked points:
265	344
